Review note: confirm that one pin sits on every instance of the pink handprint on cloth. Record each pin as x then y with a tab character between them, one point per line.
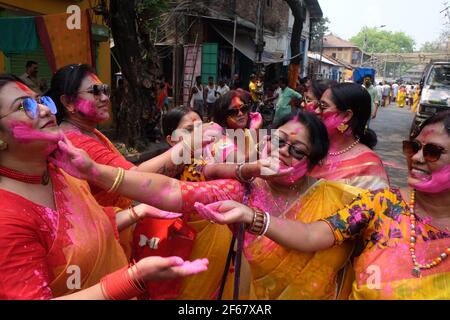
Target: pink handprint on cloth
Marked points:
209	192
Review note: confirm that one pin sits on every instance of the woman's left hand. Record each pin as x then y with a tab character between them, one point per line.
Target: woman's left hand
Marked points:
225	212
75	162
146	211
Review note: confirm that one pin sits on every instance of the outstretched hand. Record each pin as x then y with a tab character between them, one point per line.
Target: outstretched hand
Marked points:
147	211
225	212
75	162
159	268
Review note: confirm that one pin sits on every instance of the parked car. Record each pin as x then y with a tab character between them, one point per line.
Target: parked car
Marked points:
435	93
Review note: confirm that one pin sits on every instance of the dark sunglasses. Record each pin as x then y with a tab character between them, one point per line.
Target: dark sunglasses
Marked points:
235	112
293	151
30	106
431	152
98	89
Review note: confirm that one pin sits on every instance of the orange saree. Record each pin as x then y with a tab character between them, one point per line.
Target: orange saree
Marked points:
46	253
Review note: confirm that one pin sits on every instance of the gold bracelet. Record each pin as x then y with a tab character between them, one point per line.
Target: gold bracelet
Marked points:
117	181
259	222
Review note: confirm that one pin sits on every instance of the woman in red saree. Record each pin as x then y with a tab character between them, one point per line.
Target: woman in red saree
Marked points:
345	110
56	241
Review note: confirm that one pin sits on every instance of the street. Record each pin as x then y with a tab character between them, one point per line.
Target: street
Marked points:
392	126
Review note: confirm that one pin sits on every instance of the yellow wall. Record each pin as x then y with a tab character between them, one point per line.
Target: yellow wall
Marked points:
59	6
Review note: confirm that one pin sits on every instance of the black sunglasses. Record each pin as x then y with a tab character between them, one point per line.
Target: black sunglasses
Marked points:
431	152
98	89
235	112
294	151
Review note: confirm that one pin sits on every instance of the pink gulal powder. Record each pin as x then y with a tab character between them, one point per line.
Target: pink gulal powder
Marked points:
300	170
440	181
86	107
23	132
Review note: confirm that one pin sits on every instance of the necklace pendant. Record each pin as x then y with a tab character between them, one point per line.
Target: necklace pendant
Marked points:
416	272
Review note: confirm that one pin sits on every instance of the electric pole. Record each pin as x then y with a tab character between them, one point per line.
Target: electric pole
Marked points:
259	41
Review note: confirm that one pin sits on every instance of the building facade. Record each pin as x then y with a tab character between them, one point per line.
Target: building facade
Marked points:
20	8
341	49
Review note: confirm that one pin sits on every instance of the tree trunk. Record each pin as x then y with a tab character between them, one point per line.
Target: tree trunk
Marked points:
138	60
299	12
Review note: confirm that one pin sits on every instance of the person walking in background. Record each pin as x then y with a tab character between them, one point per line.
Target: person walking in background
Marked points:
401	101
236	83
30	78
210	96
283	107
373	97
222	89
386	95
394	92
196	99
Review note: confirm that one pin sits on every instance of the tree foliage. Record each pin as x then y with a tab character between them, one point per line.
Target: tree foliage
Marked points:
381	41
133	22
318	30
440	45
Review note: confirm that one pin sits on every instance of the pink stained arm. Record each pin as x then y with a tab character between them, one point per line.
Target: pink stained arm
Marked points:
296	235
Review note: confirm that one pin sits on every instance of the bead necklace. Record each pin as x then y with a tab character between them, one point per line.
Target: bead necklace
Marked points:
416	271
27	178
335	154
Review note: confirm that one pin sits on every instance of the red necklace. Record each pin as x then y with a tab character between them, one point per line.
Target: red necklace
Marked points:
27	178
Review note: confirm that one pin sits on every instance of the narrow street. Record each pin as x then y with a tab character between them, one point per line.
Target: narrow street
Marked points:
392	126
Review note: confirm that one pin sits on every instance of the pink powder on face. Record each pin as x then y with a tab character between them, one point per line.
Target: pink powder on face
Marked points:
440	181
94	78
86	107
23	132
300	170
332	120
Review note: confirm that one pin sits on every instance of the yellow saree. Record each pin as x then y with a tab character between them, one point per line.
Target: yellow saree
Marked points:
285	274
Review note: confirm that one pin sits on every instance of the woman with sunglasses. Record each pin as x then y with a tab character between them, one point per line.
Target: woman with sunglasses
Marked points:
277	272
232	112
405	234
315	91
345	110
56	241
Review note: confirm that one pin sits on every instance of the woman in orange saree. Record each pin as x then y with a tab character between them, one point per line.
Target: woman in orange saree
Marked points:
55	239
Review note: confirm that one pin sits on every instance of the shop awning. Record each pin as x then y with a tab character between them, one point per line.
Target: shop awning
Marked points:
245	44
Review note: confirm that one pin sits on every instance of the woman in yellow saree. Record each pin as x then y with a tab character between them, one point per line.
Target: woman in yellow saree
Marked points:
405	234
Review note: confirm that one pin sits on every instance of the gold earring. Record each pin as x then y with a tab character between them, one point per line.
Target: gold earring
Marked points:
3	145
343	127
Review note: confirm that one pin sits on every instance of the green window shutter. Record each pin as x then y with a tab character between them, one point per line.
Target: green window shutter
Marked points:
18	61
210	53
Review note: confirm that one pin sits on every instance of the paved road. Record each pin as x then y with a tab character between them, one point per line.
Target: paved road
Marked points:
392	127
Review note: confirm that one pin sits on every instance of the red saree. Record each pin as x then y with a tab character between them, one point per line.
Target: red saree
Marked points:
43	250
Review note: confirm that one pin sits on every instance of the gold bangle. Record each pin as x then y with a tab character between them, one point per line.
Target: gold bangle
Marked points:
259	223
117	181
